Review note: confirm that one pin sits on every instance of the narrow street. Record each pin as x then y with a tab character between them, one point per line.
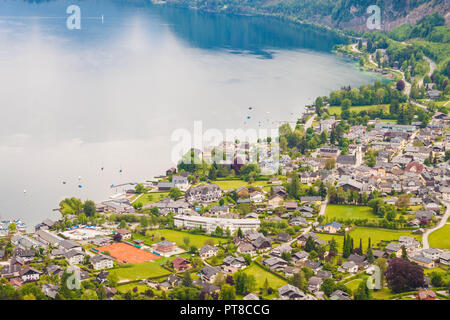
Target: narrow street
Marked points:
441	223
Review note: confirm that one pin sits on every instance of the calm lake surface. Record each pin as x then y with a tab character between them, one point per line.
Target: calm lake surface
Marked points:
111	94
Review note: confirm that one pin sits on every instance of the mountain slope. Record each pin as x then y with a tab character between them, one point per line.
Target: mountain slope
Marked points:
346	14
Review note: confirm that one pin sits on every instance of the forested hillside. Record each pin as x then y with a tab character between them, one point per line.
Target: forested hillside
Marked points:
348	14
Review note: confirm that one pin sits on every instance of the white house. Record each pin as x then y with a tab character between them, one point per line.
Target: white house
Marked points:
444	258
431	253
210	224
180	182
74	257
257	197
349	266
101	261
208	251
29	274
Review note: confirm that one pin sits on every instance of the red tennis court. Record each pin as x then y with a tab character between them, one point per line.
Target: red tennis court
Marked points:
128	254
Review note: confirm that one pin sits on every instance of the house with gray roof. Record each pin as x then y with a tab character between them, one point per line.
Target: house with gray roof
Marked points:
208	251
275	263
262	244
74	257
340	295
314	283
209	273
288	292
50	290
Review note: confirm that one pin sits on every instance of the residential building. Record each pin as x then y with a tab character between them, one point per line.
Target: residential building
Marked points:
210	224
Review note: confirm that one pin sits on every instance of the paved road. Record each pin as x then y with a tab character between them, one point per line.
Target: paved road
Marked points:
441	223
432	68
310	121
323	207
296	238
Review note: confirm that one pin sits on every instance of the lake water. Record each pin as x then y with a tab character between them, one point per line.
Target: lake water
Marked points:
111	94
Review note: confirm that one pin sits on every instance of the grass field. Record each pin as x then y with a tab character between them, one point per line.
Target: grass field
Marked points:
141	271
130	286
197	240
152	197
353	284
376	235
440	238
261	275
335	211
337	109
234	184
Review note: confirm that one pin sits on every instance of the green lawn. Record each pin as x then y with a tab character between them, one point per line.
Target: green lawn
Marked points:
389	121
335	211
130	286
337	109
382	294
234	184
197	240
375	234
141	271
261	275
152	197
440	238
353	284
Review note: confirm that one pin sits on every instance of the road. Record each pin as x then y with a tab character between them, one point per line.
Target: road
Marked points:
309	122
432	68
296	238
441	223
323	207
322	212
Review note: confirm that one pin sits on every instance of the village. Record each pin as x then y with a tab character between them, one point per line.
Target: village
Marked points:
317	228
349	203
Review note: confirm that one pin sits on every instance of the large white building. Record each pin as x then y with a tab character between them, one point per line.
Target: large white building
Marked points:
210	224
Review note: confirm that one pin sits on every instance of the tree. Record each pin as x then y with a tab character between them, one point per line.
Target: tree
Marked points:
347	246
404	254
12	227
227	292
184	293
244	283
403	276
218	231
186	241
299	280
330	163
122	224
89	294
294	187
403	201
31	291
187	280
333	245
89	208
240	234
310	245
265	288
193	250
436	279
112	279
400	85
175	193
369	255
117	237
139	188
328	286
362	292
